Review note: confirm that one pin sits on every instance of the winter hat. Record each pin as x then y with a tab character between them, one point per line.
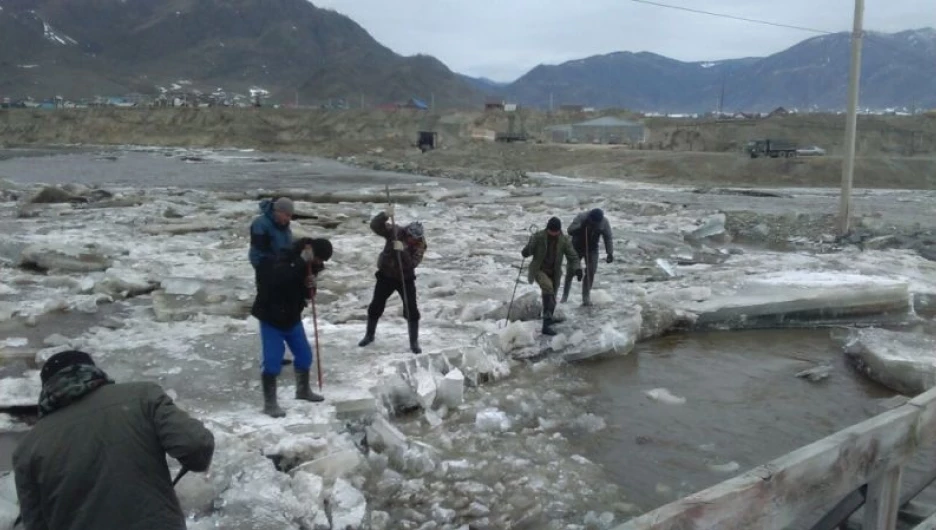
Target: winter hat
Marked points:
554	224
322	248
414	230
596	216
285	205
60	361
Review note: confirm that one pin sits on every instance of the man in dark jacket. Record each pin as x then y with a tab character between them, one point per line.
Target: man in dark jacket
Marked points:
96	459
396	272
548	248
269	233
585	231
285	286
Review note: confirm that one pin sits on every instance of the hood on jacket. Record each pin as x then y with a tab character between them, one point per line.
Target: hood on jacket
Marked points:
266	208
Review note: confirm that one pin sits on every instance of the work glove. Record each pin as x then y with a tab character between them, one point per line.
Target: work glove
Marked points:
579	275
389	211
398	246
307	254
610	258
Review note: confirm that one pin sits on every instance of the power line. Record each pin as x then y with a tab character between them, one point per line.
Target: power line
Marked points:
732	17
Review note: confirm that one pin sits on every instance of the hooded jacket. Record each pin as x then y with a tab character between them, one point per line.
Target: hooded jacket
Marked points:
410	257
578	229
99	463
268	239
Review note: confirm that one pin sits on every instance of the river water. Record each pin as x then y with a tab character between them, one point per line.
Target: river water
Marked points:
743	405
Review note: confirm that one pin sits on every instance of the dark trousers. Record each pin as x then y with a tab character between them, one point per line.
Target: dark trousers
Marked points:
587	281
384	288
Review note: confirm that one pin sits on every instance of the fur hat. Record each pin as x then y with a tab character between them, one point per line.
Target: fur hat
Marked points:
60	361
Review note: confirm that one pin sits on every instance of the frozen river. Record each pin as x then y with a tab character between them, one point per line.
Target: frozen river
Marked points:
544	444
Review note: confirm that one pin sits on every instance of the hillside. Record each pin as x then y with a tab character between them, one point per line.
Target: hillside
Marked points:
82	48
896	72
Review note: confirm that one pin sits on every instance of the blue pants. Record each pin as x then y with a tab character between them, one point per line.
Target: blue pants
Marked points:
274	342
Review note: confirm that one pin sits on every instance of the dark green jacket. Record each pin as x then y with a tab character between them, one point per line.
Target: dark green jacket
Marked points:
536	247
100	463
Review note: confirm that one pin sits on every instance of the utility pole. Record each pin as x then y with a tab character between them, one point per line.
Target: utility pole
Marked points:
550	102
432	101
851	125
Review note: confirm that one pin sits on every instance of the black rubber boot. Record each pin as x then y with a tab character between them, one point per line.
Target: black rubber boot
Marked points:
413	326
303	390
549	306
369	334
270	407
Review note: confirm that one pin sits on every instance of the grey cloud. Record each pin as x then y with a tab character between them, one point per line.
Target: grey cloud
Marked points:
505	38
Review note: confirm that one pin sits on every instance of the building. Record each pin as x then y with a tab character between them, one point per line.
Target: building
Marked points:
609	130
560	134
494	104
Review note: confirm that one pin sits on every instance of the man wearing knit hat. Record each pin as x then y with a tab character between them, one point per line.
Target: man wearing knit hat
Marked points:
585	230
97	456
547	248
269	233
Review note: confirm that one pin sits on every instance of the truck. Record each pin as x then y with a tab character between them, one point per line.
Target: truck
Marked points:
773	148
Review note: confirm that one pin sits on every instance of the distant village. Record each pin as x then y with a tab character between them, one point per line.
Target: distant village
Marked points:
179	96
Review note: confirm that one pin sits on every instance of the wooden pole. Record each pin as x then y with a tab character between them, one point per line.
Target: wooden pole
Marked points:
848	165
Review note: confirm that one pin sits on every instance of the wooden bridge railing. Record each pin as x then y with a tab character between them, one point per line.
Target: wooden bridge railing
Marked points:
815	477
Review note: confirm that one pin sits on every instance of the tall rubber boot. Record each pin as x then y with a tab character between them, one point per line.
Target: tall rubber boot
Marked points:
369	334
270	407
549	305
413	328
303	390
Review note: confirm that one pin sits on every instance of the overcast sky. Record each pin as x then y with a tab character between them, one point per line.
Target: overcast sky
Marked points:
503	39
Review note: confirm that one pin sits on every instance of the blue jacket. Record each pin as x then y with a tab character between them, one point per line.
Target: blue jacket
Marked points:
268	239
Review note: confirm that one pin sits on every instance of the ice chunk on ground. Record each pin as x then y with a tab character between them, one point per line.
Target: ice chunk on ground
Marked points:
295	449
425	388
20	391
348	506
713	226
334	465
803	298
590	341
15	342
665	396
492	420
452	388
124	282
181	298
905	362
380	520
309	489
67	258
815	374
55	339
515	336
382	433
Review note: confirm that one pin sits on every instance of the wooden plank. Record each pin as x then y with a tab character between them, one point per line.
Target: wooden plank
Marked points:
775	495
883	501
929	524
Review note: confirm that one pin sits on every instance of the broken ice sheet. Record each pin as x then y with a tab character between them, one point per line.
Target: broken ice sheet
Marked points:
665	396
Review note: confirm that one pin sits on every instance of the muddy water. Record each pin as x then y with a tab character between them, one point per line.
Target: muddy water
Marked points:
743	404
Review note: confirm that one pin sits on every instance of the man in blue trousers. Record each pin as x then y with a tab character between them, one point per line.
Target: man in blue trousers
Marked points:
285	284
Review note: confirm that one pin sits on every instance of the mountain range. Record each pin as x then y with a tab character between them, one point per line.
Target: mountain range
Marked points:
898	70
291	48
